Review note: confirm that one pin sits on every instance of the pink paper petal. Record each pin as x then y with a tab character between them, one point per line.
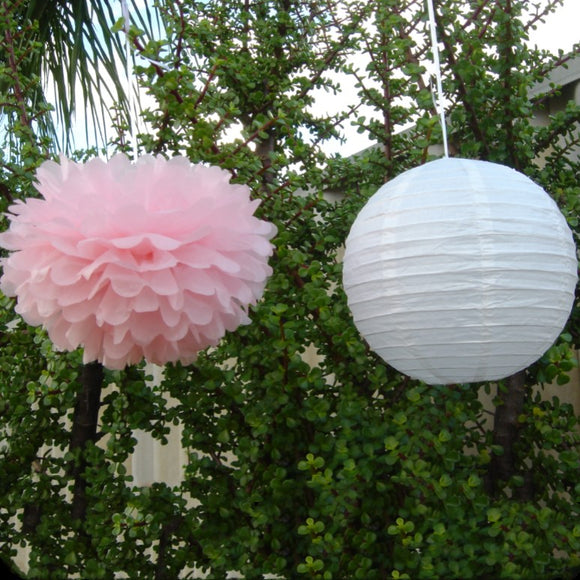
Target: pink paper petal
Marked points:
156	259
112	309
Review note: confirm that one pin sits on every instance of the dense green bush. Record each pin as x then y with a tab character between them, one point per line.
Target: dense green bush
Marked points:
307	455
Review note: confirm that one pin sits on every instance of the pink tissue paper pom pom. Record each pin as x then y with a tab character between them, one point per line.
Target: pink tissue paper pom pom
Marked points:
155	259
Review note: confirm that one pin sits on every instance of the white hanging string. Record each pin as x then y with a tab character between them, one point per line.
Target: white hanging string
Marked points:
130	88
439	98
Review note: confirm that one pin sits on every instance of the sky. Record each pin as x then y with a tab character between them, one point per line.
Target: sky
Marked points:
560	31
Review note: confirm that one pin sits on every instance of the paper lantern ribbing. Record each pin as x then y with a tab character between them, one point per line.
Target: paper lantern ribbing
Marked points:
154	259
460	271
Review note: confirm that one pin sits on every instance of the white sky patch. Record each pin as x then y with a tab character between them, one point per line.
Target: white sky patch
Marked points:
560	31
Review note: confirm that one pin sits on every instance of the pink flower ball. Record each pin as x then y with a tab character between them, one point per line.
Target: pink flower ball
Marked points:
155	259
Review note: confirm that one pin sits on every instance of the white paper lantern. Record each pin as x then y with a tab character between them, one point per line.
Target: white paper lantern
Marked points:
460	271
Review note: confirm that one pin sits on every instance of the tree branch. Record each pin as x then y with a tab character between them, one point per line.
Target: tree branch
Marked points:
18	92
507	55
472	114
167	530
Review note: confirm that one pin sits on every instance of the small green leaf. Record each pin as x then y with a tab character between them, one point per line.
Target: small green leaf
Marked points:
493	515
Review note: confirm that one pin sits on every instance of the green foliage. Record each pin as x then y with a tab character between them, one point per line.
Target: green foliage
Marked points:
307	456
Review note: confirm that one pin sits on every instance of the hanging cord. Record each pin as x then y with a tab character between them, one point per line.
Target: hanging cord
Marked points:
439	99
130	77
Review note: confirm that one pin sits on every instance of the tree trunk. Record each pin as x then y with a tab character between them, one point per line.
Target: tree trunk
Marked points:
505	430
84	430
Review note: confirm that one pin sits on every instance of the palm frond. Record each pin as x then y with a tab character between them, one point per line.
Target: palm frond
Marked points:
83	62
